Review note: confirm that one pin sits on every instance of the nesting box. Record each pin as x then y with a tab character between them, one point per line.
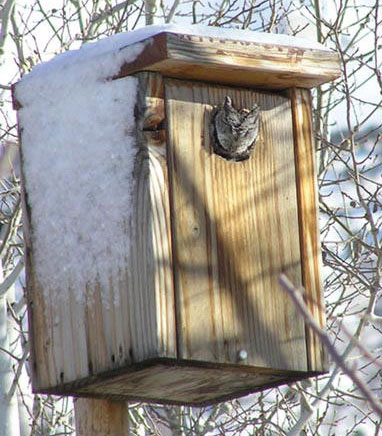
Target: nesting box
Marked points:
168	180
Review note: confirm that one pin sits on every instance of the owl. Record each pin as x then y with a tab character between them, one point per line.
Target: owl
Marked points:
234	132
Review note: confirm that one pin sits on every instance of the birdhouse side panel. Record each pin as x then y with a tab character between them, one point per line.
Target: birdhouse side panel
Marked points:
95	278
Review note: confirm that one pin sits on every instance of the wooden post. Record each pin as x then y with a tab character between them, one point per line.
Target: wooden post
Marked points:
101	417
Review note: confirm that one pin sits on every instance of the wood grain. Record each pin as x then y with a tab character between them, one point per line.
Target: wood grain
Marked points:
155	143
239	63
171	381
309	227
96	417
235	227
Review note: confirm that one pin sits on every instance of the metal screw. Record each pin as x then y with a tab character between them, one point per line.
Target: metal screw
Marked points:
242	355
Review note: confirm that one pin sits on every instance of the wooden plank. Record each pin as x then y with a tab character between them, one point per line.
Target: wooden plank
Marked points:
308	216
152	141
101	417
235	227
230	62
171	381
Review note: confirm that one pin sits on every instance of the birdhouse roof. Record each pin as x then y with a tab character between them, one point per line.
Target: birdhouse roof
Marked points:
233	57
212	54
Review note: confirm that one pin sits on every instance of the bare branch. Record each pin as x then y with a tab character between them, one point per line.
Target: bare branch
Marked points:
5	14
10	280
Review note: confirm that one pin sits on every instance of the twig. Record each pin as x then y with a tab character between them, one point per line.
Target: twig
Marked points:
21	362
5	14
173	9
12	277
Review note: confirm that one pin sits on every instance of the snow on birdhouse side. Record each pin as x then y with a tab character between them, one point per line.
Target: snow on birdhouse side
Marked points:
78	138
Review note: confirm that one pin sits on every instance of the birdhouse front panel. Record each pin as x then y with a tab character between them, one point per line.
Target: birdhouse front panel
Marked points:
235	229
168	181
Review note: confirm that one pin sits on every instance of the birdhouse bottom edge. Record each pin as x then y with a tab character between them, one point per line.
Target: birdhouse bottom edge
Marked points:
177	382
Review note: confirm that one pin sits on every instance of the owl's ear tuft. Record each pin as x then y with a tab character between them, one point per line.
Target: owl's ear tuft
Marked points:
228	101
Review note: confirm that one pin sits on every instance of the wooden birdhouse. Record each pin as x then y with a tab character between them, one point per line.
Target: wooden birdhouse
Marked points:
168	180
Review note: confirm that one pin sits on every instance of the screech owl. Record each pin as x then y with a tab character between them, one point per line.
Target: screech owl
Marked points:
234	132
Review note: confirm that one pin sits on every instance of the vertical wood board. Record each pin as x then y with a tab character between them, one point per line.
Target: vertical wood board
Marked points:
152	138
235	228
309	227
